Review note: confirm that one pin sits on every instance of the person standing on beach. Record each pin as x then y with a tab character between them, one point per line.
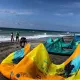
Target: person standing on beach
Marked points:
17	36
12	37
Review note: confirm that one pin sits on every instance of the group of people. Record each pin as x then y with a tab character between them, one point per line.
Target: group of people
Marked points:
17	37
22	41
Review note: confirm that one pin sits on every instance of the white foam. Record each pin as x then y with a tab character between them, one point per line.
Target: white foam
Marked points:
7	38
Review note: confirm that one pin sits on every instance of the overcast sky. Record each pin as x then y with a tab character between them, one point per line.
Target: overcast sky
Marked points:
41	14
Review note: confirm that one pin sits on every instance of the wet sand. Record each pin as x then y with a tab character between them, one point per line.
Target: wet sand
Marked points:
7	47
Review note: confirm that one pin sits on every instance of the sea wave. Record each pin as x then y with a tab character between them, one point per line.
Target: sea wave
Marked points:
7	38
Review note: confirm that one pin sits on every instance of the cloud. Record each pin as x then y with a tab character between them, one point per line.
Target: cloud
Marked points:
24	13
76	5
70	14
71	5
57	14
64	14
16	12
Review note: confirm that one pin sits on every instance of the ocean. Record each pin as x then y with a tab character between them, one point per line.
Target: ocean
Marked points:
5	34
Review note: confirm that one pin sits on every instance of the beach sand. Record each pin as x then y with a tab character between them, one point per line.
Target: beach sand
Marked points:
7	47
